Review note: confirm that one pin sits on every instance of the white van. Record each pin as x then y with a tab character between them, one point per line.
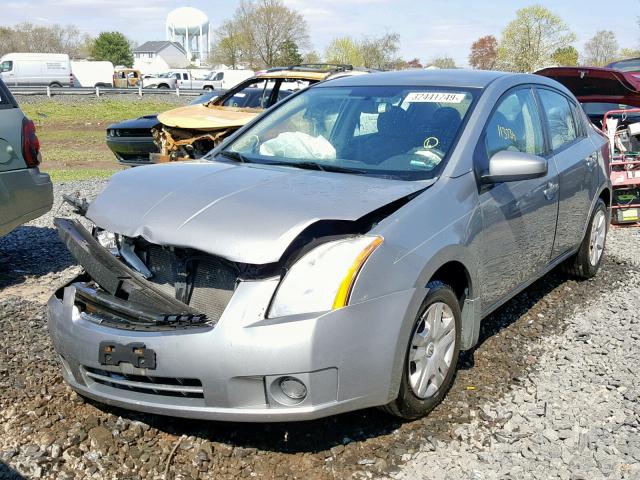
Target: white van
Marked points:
92	74
32	69
226	79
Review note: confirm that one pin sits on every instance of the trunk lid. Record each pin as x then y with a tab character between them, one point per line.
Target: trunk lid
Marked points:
597	84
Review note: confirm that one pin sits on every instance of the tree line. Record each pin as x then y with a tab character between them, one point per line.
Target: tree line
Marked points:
267	33
538	38
29	38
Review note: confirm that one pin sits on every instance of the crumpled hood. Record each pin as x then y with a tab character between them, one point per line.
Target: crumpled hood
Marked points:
244	213
201	117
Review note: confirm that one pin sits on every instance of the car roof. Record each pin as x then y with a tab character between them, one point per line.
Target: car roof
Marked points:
295	74
452	78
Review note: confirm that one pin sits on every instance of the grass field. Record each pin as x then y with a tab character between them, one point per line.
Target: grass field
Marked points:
72	134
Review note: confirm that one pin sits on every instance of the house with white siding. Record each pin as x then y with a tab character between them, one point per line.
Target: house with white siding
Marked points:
159	56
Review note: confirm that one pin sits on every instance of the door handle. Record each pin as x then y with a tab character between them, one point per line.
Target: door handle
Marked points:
551	190
591	161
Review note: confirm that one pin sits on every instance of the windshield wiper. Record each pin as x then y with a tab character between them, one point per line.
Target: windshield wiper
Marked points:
235	156
317	166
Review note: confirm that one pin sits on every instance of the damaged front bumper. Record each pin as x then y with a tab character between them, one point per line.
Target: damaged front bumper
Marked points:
231	369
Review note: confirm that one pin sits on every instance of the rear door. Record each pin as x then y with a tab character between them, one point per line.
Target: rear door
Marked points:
519	218
576	159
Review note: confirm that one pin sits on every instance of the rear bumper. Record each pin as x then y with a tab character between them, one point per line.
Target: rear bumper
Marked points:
132	151
345	358
25	195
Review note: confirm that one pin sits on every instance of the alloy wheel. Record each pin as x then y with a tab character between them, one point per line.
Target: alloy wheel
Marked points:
431	350
598	234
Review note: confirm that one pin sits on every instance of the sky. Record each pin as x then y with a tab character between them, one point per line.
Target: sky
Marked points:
427	28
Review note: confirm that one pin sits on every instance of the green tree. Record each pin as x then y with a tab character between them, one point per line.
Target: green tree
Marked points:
269	26
380	52
344	50
371	52
289	54
565	57
231	45
628	53
311	57
601	49
529	41
442	62
113	47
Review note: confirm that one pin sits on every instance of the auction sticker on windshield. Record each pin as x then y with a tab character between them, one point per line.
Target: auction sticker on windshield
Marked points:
434	97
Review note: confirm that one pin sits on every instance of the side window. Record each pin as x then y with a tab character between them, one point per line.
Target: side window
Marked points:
6	66
219	76
578	118
562	128
185	76
515	125
5	100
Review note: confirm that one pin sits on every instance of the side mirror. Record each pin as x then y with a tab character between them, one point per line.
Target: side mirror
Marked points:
508	166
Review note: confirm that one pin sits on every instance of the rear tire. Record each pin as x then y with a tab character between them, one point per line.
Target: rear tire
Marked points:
163	86
208	89
55	84
431	357
586	262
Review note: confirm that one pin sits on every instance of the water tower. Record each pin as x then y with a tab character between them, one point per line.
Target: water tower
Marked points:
190	28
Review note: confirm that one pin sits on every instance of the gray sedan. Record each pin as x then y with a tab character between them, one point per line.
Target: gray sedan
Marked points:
25	192
336	253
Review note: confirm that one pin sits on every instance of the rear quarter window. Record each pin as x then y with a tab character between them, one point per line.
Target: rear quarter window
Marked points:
6	99
560	118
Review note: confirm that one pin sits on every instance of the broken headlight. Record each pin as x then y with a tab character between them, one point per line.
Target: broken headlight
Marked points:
109	240
323	278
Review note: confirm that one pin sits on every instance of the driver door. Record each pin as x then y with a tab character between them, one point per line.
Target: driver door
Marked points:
519	218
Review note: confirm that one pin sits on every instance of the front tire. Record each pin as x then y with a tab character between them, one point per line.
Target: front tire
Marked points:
586	262
432	354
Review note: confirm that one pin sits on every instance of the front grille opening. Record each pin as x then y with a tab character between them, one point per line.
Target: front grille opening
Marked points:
208	282
164	386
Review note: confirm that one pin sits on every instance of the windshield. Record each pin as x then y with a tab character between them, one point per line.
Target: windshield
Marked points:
390	131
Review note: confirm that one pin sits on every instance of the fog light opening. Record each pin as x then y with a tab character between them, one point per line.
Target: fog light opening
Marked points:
293	388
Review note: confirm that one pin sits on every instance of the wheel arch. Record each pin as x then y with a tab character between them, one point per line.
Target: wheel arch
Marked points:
454	266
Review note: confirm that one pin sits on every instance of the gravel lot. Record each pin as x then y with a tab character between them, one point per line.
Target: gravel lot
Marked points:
552	391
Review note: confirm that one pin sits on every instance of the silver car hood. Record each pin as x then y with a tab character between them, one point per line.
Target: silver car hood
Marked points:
244	213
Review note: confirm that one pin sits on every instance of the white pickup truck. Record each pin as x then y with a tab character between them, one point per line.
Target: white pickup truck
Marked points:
183	79
198	79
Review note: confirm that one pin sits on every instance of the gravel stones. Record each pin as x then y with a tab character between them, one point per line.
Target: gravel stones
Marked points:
552	391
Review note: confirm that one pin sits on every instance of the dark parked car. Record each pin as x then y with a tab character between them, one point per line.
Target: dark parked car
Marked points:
131	141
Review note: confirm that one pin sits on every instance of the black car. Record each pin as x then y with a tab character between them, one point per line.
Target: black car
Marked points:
131	141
